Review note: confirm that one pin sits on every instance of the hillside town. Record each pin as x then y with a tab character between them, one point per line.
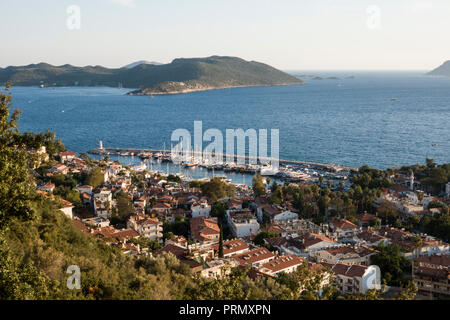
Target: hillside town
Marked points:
214	227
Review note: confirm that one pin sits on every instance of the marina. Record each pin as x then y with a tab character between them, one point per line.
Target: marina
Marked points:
166	154
240	172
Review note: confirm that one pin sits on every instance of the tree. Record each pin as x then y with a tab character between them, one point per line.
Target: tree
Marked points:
307	283
73	196
221	243
20	281
438	225
217	189
124	207
372	294
408	292
430	163
387	212
375	223
16	191
95	177
218	210
420	196
321	179
179	227
144	242
259	239
393	264
173	178
258	185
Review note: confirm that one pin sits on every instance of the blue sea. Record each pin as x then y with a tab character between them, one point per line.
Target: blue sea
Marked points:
348	121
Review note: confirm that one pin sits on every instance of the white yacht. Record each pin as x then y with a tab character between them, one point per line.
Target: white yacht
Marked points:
268	170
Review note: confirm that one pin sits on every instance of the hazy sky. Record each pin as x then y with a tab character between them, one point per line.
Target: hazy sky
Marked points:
288	34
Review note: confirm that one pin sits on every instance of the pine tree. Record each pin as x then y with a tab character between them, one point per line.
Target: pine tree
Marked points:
221	242
258	185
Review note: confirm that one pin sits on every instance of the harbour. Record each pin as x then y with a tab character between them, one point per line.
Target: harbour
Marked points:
241	172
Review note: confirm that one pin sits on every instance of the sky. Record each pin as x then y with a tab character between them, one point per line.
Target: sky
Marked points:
287	34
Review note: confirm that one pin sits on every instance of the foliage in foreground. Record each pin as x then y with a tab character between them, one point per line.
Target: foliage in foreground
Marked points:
38	243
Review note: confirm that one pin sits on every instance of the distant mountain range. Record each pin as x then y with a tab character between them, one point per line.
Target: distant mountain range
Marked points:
137	63
179	76
442	70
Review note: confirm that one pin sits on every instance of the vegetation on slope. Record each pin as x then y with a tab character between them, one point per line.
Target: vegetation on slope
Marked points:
38	243
182	75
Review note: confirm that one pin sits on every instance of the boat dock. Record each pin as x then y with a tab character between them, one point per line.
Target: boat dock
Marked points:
136	152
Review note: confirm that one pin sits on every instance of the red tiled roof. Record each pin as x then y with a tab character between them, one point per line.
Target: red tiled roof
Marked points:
270	210
67	153
148	221
370	237
345	269
277	241
232	246
174	249
125	234
343	224
274	228
398	188
442	260
85	195
254	255
283	262
365	218
200	227
81	226
311	239
161	205
433	272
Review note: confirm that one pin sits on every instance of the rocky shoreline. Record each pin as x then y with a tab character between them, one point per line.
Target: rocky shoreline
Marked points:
150	92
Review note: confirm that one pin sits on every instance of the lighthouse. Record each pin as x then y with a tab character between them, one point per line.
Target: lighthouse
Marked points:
100	145
411	181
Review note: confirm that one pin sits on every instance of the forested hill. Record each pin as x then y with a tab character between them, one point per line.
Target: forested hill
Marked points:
181	75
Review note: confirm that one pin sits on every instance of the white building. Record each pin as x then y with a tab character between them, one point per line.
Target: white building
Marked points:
67	156
67	208
85	189
48	187
302	245
342	228
351	279
139	168
115	168
200	208
285	215
346	254
218	268
243	223
148	227
100	202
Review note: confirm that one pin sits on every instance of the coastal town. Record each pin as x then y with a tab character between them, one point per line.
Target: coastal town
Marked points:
267	229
